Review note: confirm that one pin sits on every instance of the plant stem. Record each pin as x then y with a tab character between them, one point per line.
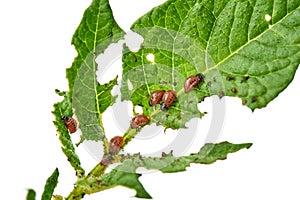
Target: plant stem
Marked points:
81	189
129	135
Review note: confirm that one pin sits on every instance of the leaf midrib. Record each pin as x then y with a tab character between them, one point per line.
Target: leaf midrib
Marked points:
94	67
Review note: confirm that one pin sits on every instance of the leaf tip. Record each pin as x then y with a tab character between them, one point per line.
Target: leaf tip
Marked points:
248	145
31	194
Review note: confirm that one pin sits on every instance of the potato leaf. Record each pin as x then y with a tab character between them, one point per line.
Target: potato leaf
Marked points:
127	178
125	173
60	109
50	185
208	154
105	98
245	49
96	31
30	194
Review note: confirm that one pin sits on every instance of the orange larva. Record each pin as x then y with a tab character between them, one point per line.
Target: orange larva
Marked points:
168	98
192	81
138	121
70	124
115	144
156	97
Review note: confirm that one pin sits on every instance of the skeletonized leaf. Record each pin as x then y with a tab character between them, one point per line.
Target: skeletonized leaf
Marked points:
50	185
60	109
96	31
233	43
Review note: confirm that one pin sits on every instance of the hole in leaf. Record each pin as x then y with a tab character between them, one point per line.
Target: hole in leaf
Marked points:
268	17
150	57
138	109
133	41
129	84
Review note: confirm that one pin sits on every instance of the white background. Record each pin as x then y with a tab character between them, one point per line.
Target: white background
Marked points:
35	50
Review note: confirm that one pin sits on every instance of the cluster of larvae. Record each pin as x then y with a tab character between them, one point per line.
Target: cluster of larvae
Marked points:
167	98
158	96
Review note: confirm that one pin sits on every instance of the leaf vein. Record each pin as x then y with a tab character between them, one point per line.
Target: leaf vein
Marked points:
242	46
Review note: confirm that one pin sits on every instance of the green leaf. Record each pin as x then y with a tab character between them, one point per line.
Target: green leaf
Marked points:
125	173
50	185
96	31
105	98
168	163
65	108
229	41
208	154
30	194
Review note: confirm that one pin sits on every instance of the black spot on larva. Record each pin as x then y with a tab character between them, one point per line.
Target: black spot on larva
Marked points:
194	113
254	99
244	102
209	83
244	80
165	82
233	90
190	101
229	78
215	80
167	115
163	154
174	83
